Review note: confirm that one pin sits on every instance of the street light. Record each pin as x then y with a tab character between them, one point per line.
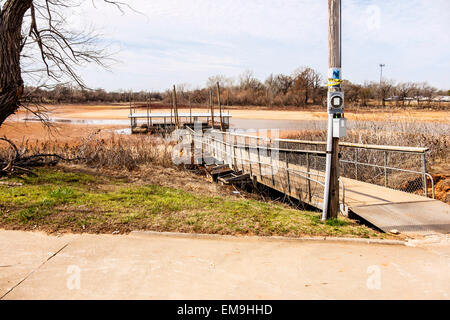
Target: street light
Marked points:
381	72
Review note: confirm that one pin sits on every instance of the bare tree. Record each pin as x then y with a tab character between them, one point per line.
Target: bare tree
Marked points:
404	91
365	94
36	40
352	91
221	79
428	92
384	90
283	83
248	81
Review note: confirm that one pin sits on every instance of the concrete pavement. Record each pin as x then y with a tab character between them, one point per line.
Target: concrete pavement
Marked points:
142	266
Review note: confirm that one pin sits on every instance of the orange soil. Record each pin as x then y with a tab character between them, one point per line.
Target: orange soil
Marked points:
63	133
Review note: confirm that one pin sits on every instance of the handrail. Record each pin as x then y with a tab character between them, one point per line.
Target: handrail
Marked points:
432	184
343	144
320	153
361	146
224	142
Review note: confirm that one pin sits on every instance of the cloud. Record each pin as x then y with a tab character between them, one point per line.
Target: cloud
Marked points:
177	41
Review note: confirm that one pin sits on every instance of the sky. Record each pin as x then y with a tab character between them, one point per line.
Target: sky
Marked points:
185	42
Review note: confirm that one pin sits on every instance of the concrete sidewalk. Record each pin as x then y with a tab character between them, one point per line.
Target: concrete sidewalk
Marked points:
142	266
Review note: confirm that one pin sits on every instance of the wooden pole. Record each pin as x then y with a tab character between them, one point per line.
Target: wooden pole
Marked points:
131	113
220	106
331	208
211	105
150	109
175	106
190	110
171	110
148	115
131	107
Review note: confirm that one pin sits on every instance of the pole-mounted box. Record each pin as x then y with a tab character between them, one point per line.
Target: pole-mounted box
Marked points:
339	127
336	102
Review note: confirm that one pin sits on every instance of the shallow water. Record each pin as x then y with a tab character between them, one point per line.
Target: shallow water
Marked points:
251	124
84	121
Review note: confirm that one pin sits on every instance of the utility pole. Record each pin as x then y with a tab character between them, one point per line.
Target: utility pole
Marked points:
220	106
381	73
336	120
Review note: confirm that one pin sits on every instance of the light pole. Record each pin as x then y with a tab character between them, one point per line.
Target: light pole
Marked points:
381	72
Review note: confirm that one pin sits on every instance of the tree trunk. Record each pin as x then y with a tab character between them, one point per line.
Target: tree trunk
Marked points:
11	84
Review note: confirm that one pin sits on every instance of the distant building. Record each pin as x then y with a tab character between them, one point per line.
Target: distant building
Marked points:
442	98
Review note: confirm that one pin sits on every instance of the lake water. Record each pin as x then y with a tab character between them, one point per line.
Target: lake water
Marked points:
251	124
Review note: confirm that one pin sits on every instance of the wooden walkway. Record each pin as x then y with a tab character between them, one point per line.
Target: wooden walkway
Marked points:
386	208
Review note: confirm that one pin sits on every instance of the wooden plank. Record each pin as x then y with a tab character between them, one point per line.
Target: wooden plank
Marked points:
234	178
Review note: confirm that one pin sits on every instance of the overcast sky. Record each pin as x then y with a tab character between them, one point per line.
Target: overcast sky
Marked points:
186	41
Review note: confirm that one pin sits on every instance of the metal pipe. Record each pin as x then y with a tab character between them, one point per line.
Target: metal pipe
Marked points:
424	170
328	167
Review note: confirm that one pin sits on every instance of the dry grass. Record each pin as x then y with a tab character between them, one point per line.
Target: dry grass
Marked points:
396	133
434	136
97	150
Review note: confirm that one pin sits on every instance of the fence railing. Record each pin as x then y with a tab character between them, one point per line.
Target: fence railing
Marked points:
400	168
290	171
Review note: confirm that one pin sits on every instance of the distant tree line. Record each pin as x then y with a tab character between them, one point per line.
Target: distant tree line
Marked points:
71	94
304	87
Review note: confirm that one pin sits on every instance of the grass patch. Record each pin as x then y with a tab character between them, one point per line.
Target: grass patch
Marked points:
56	200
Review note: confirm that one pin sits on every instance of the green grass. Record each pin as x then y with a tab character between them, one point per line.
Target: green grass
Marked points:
56	200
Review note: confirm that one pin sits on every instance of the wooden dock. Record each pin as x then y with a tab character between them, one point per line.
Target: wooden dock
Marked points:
168	122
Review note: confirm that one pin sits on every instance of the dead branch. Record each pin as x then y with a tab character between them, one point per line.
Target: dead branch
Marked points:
19	163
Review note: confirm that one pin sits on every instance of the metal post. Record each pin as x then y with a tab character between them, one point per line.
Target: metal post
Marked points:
234	153
242	159
223	149
356	163
250	161
385	169
287	172
308	183
259	158
271	167
424	171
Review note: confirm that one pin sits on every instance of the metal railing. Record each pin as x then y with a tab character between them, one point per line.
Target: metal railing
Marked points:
400	168
291	171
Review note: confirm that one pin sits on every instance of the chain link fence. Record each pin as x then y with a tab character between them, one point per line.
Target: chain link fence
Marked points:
399	168
297	168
